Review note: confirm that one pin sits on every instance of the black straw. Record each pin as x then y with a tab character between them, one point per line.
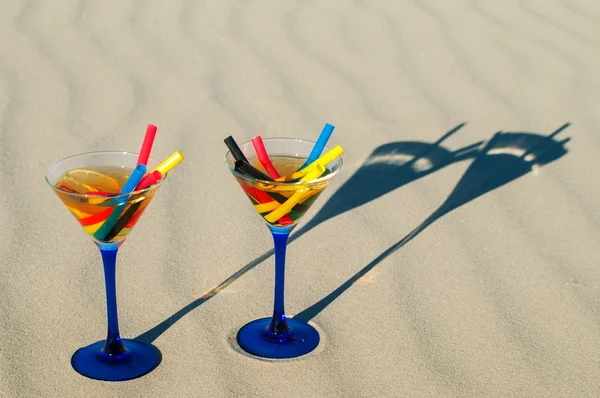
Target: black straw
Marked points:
235	150
246	168
123	220
251	171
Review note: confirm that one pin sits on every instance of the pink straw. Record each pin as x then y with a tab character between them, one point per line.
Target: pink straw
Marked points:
147	145
263	158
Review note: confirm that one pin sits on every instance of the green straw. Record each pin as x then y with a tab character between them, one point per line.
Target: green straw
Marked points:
121	202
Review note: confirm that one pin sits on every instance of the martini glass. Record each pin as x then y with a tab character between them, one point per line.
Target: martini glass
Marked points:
278	336
89	185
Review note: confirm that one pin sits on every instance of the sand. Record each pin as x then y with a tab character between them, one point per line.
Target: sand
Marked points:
444	260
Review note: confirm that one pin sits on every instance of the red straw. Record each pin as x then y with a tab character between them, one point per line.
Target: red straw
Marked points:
149	179
147	145
101	193
263	158
66	188
262	197
96	218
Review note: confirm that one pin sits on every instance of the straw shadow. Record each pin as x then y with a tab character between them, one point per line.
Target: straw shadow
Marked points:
505	157
389	167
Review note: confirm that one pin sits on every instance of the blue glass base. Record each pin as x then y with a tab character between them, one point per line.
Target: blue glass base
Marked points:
139	358
256	339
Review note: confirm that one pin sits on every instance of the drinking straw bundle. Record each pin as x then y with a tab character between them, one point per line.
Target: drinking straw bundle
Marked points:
274	206
107	224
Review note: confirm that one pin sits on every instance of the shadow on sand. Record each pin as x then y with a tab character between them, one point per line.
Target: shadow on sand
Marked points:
395	164
504	158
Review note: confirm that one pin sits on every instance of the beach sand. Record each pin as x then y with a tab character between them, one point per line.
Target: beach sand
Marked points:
455	255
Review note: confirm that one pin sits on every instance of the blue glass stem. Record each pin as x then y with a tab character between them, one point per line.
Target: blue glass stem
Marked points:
279	322
114	346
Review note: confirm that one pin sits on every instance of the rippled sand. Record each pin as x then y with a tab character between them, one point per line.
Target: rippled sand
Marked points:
455	254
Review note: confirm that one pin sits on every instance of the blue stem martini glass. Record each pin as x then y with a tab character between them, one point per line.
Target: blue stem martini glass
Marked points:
99	190
278	336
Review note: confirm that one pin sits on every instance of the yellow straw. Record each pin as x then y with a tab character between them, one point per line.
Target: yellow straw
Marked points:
169	163
91	229
96	201
264	207
283	189
324	160
287	206
311	193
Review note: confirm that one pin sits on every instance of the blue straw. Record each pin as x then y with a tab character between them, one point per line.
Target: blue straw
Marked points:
132	182
319	145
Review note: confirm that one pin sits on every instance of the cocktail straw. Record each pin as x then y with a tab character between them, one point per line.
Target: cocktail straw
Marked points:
253	172
246	168
264	198
96	218
97	198
123	220
266	207
319	145
235	150
324	160
66	187
129	186
149	179
286	207
169	163
91	229
263	158
133	220
160	170
147	145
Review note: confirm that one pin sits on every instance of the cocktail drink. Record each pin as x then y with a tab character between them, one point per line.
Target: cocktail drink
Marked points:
107	192
92	195
281	189
267	199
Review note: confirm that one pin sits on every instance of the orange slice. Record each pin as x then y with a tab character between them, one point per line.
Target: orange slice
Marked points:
85	180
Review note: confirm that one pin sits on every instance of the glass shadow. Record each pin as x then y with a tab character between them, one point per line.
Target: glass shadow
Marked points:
506	157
